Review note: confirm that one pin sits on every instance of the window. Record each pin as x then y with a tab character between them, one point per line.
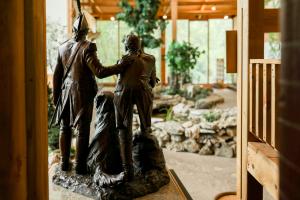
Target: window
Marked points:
217	46
209	36
111	47
199	38
107	44
272	46
272	4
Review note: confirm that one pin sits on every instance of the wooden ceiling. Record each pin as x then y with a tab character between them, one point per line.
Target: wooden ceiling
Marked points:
187	9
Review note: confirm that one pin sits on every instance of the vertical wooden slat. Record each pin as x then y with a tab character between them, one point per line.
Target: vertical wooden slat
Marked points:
274	105
267	103
252	99
163	59
259	101
174	13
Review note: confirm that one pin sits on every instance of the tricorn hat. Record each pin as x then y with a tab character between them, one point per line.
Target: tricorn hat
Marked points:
80	24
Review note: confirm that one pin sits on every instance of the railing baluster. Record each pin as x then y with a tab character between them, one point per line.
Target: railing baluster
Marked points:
259	101
267	103
252	80
263	97
275	92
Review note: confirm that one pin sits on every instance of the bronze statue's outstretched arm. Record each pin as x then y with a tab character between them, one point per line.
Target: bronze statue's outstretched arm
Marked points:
98	69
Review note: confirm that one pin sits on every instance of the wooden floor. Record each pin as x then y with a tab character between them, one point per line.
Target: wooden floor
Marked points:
229	197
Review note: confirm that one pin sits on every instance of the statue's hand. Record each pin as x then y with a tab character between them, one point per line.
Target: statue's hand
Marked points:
157	80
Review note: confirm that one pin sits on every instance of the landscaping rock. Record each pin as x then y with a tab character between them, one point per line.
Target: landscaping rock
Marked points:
224	151
173	146
206	150
171	127
177	138
209	101
162	136
191	145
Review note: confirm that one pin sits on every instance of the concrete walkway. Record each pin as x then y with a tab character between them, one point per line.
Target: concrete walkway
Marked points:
203	176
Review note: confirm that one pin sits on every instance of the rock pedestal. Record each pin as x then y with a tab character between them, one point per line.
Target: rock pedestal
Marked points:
150	175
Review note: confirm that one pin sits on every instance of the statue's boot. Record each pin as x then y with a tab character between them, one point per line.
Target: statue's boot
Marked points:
65	138
125	140
82	144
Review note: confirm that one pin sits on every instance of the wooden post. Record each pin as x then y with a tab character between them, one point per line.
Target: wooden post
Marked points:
70	17
174	13
13	165
23	110
289	112
250	46
163	59
36	99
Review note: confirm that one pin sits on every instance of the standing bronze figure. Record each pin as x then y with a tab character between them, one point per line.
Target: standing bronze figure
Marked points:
74	89
134	87
120	165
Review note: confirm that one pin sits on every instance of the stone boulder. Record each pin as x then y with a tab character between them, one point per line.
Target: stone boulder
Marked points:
190	145
171	127
209	101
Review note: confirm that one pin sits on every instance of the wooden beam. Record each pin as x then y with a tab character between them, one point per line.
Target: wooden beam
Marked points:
112	3
263	165
163	59
271	20
174	13
231	51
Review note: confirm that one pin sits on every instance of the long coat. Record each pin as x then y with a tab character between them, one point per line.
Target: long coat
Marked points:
134	86
79	87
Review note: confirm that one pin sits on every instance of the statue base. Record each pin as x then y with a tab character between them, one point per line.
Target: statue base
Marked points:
83	191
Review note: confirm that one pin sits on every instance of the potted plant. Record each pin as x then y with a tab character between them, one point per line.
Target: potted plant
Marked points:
181	57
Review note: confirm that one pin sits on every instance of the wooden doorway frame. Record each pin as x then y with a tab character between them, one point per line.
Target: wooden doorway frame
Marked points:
23	110
253	21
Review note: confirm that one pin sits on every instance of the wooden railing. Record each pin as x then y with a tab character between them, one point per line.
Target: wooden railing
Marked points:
263	96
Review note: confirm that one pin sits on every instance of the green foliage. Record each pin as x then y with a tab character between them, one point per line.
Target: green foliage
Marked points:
272	3
56	34
202	93
142	18
169	115
182	57
211	116
275	45
53	133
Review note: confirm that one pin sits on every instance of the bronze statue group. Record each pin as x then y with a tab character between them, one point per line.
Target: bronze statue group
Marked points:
109	157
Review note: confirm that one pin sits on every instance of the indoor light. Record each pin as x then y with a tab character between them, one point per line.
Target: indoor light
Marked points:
165	17
112	18
226	17
213	8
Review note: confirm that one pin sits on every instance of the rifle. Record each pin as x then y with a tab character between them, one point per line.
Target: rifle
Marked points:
68	66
